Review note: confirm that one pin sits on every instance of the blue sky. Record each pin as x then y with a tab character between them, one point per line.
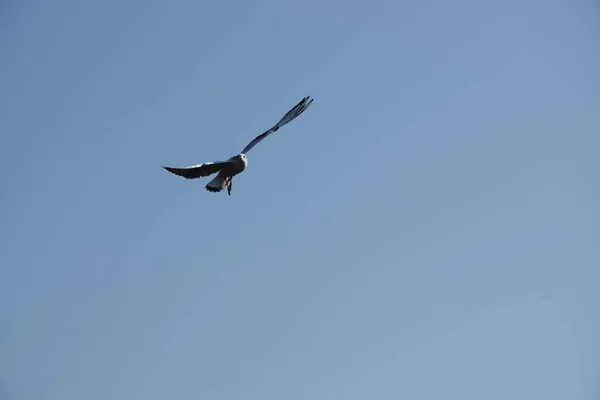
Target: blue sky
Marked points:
427	229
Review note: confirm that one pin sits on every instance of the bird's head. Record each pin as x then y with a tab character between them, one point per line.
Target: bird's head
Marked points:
240	156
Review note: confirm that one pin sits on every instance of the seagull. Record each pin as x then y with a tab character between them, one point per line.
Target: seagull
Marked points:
226	170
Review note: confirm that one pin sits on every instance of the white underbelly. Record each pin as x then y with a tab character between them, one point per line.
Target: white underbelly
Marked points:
237	167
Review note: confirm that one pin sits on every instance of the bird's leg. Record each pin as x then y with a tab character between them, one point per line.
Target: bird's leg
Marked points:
229	183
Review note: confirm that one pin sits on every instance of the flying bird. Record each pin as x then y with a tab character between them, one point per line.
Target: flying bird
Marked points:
226	170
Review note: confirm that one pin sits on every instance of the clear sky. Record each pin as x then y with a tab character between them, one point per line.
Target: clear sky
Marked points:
428	229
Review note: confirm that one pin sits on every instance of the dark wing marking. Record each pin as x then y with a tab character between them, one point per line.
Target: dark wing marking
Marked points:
197	171
293	113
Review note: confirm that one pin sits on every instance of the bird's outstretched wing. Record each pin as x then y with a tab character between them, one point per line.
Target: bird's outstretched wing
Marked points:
197	171
293	113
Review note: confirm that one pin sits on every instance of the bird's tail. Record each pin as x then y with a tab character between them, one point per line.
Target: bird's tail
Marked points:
217	184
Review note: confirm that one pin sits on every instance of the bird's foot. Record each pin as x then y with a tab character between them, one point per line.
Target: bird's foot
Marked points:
229	183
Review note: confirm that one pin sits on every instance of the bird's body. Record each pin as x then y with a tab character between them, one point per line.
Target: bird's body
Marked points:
237	164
